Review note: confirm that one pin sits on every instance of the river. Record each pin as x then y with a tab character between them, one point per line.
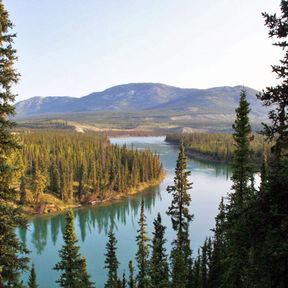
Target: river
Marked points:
44	234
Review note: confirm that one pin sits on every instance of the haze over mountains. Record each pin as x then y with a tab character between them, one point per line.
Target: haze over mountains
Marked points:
140	97
144	103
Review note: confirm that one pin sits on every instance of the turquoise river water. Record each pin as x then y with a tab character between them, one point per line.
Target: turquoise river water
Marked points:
44	234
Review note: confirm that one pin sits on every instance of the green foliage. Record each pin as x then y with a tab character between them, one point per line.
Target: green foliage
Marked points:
202	267
32	283
73	266
276	97
238	229
79	167
131	281
84	276
242	160
180	216
12	261
142	255
159	265
124	281
218	147
22	191
178	210
218	253
273	200
111	262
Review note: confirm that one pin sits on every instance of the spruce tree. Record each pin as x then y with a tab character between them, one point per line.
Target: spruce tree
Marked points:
239	216
181	217
32	283
71	263
39	184
22	191
111	262
142	255
12	262
159	265
275	193
197	272
124	281
242	157
84	276
218	251
179	209
131	281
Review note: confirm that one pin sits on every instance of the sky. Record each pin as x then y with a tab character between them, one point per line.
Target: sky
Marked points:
74	48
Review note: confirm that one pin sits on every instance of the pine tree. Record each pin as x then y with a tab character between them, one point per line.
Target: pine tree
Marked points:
84	276
159	264
32	283
218	251
111	262
242	163
71	263
131	281
197	272
39	184
12	262
81	174
205	263
275	193
124	281
22	191
142	255
55	180
240	212
181	217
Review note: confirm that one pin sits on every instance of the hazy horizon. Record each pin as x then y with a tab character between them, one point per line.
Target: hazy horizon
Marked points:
71	48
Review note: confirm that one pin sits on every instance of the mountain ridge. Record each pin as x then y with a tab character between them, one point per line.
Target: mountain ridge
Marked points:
142	97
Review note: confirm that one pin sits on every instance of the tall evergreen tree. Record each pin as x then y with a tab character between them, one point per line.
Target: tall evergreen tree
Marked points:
71	263
159	265
181	217
218	252
142	255
131	281
124	281
178	210
111	262
275	193
242	163
12	262
197	272
22	191
39	184
32	283
238	228
84	276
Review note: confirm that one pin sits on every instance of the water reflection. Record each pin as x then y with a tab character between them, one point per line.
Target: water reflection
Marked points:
40	232
44	235
89	219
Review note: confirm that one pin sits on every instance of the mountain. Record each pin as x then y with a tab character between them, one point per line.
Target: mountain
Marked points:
147	105
41	105
141	97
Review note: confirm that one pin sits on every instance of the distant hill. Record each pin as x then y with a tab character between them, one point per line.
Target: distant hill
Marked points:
146	101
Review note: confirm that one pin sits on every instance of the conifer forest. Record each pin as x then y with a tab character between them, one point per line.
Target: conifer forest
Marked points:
80	167
54	171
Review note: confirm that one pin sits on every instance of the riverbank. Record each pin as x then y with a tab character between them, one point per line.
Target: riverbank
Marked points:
197	155
200	156
53	205
218	148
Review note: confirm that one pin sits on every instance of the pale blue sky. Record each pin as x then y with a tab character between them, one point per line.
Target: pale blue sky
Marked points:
73	47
